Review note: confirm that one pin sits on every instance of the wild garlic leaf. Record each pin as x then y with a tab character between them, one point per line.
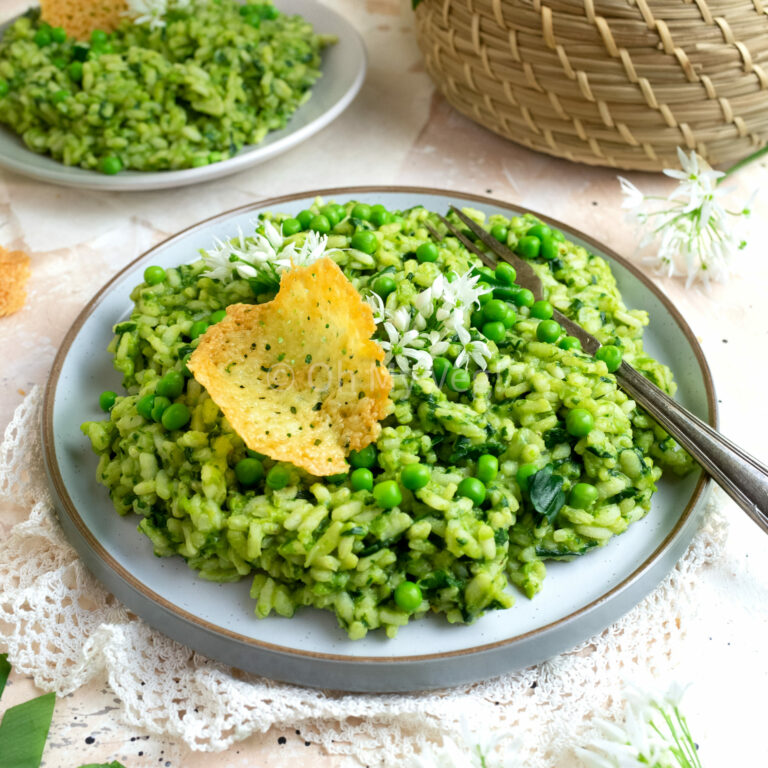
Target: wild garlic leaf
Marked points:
546	493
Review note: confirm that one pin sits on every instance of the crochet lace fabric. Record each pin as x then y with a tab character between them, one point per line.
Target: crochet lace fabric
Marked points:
60	626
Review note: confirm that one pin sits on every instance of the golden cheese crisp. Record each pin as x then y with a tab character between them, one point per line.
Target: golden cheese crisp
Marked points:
80	17
299	378
14	273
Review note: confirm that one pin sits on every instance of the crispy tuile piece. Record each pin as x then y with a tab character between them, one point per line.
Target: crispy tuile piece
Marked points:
299	378
14	273
80	17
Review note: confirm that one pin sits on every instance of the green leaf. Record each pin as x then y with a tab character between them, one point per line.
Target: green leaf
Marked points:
24	730
546	493
414	3
113	764
5	670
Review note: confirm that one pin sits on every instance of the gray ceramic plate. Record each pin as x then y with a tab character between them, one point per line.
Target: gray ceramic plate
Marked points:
344	66
579	598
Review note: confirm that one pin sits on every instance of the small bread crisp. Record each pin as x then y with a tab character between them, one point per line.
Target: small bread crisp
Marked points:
80	17
14	273
299	378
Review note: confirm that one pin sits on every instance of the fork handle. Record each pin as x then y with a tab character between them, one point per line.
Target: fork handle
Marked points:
740	475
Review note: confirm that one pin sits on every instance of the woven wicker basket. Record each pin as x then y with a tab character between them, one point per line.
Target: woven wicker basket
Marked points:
620	83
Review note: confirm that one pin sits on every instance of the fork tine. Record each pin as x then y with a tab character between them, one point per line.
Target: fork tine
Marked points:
526	277
525	274
432	231
467	243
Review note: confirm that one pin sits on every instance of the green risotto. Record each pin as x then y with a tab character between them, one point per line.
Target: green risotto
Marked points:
505	447
213	77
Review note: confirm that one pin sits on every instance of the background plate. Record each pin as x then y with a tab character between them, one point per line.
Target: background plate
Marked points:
579	598
343	69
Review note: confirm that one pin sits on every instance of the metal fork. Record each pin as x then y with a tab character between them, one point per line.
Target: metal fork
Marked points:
742	476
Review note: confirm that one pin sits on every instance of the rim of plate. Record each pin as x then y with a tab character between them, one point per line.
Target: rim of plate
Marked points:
249	154
49	453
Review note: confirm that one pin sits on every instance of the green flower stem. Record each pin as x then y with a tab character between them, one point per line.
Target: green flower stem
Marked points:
745	161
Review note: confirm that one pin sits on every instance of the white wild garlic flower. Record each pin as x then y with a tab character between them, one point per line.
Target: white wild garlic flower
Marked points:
690	230
654	734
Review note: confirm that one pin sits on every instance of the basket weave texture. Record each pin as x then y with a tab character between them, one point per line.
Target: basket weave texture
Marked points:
620	83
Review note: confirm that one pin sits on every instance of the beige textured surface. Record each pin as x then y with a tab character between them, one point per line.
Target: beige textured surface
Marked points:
399	131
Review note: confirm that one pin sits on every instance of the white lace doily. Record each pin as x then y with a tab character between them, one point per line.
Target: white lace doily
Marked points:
60	626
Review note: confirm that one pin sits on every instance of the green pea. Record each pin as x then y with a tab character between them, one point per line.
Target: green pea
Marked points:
495	311
144	406
110	165
524	298
509	317
159	406
341	211
379	216
305	218
542	310
171	385
291	227
361	479
548	331
408	596
365	457
472	489
524	474
500	232
384	285
75	71
477	319
579	422
198	329
176	416
582	496
427	252
487	468
484	298
269	12
154	275
528	247
569	342
107	400
505	273
549	248
42	38
99	37
441	366
539	230
320	224
217	316
458	380
495	331
331	212
415	476
557	236
387	494
58	35
611	355
4	88
365	241
249	471
361	211
278	477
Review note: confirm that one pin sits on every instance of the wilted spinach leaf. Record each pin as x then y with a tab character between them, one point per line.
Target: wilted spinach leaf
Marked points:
546	492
